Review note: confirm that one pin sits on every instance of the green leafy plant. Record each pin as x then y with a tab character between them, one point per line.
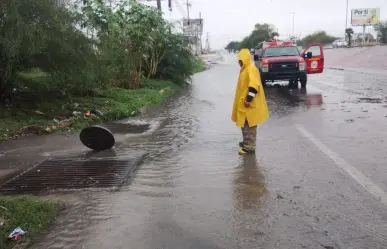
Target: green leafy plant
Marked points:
381	28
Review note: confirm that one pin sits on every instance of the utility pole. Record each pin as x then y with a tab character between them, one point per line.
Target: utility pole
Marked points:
208	42
159	5
188	5
199	36
346	20
293	13
189	24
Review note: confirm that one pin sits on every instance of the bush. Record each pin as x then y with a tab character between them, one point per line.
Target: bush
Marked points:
82	50
381	28
136	41
41	34
318	36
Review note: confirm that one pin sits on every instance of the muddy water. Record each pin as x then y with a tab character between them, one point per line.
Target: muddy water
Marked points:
194	191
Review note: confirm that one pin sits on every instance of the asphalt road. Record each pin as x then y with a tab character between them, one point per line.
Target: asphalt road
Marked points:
318	179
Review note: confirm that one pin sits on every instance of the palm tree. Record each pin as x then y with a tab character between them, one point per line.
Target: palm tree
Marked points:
349	33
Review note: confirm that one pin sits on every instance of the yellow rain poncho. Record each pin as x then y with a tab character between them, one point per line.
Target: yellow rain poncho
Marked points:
249	76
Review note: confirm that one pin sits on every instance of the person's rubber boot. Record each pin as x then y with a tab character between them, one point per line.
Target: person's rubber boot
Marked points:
244	151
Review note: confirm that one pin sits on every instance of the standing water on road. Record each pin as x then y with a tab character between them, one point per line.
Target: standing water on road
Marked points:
195	191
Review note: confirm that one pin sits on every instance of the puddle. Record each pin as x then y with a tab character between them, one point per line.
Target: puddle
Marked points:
370	100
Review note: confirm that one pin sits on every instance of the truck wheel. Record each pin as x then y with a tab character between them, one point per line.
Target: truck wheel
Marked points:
303	83
293	84
263	83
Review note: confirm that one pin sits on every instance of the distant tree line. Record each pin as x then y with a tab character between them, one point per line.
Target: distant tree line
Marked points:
261	32
266	32
318	36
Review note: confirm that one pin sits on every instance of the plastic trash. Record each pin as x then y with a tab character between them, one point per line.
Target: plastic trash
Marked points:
17	234
77	114
97	112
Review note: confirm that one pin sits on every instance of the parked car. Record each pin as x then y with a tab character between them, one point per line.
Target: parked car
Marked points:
340	43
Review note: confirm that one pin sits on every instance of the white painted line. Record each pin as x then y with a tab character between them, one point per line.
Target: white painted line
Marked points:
364	181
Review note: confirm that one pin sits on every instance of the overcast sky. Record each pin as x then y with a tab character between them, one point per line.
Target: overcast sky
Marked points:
227	20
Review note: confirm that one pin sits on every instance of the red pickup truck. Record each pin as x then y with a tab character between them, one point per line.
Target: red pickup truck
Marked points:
283	61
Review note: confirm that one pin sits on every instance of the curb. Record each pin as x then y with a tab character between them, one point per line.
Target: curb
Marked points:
335	68
359	70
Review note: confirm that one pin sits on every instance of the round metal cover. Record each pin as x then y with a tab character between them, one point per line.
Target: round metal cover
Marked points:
97	138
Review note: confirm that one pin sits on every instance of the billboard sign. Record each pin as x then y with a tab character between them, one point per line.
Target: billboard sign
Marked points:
361	17
191	27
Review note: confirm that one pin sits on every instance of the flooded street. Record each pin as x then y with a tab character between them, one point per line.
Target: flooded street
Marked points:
318	179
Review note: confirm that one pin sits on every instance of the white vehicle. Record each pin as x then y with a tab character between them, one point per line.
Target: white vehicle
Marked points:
340	43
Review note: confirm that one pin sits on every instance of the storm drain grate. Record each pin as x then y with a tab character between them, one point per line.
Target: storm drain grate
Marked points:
67	174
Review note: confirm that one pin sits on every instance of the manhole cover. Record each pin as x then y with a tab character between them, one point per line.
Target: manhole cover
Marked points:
64	174
97	138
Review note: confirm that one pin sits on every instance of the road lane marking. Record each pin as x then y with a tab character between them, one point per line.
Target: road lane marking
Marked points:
364	181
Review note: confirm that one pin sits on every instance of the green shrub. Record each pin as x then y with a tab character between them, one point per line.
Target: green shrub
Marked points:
79	51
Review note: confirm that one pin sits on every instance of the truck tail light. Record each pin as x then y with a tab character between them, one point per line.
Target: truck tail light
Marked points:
301	66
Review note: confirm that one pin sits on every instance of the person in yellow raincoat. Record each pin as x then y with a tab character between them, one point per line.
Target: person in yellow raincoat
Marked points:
250	107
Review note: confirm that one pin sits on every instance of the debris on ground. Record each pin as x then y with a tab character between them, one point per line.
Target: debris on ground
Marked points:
77	114
97	112
39	112
17	234
4	208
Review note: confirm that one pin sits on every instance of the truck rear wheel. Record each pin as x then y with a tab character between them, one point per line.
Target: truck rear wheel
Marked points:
304	82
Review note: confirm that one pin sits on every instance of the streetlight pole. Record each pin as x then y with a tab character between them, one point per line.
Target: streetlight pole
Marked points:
346	20
293	13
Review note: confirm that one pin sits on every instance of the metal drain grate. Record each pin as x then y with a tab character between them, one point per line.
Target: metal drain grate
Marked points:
64	174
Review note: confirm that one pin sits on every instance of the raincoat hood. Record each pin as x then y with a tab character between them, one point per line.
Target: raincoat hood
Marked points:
245	56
